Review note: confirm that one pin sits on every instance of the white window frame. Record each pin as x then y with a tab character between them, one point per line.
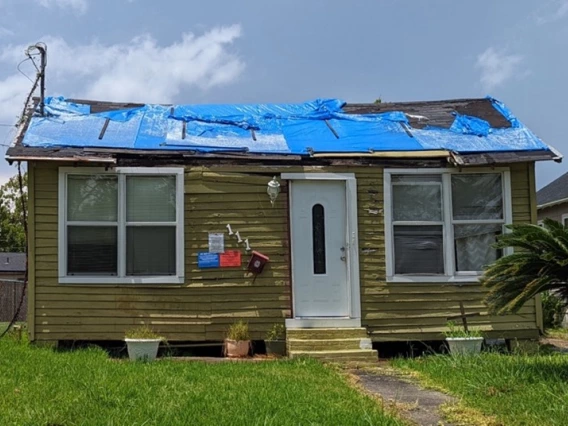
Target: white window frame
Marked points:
564	219
121	278
450	275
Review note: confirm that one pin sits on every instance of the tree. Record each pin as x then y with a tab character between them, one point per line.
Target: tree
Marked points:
539	264
12	233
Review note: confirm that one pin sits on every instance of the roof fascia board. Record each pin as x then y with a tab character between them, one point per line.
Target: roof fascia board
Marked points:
552	203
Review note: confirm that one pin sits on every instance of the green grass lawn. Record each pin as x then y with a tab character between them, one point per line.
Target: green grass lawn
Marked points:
516	389
39	386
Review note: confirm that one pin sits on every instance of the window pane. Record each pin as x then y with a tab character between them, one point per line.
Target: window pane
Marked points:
417	198
477	196
150	198
151	250
473	246
418	250
92	198
91	250
318	237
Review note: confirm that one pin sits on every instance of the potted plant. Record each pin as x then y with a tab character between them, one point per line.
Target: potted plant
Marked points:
142	343
462	342
237	341
276	340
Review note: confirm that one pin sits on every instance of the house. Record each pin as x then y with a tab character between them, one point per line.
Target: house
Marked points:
384	218
12	276
552	200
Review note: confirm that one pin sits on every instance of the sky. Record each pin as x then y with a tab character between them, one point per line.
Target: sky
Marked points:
227	51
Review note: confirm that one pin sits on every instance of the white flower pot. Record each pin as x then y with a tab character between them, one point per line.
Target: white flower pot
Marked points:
464	345
142	349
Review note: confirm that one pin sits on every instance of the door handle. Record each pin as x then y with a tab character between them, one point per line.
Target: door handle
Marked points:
343	258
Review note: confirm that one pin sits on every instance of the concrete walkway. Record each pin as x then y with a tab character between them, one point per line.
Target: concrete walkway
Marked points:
421	406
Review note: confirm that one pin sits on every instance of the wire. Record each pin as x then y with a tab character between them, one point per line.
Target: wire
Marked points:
23	73
22	199
33	62
25	224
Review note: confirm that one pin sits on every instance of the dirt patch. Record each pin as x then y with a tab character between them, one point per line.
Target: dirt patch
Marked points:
421	406
559	345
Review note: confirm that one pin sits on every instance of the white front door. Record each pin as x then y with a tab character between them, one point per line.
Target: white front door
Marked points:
320	280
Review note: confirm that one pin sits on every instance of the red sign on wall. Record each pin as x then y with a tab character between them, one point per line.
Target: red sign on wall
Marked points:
230	259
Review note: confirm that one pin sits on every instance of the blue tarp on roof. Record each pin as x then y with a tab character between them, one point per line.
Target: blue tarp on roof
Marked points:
319	126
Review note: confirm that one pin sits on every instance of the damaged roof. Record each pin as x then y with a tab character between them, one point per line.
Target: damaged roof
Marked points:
466	131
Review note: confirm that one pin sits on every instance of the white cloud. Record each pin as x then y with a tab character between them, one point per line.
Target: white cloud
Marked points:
78	6
497	67
138	71
5	32
13	92
559	12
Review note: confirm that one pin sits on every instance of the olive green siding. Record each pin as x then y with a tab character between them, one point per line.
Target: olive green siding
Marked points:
210	300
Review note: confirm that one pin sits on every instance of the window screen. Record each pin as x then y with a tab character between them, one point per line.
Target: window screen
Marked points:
417	224
92	225
418	250
445	223
151	226
141	241
477	217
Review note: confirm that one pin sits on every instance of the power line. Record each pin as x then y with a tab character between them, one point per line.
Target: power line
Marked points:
40	76
23	73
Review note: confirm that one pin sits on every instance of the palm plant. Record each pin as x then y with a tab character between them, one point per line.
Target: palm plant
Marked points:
539	263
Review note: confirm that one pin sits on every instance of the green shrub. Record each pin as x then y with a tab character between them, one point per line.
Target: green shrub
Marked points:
552	310
276	332
458	331
142	332
238	331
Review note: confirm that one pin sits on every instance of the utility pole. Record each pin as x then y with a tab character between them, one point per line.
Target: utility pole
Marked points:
42	49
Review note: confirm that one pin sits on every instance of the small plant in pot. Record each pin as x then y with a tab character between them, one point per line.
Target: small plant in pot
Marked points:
237	340
462	341
276	340
142	343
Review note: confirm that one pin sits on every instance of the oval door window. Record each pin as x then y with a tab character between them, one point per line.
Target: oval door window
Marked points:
318	239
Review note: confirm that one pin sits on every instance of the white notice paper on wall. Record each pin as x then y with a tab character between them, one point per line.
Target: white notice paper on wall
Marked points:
216	243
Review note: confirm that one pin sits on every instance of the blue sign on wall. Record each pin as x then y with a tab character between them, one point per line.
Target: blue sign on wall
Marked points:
207	260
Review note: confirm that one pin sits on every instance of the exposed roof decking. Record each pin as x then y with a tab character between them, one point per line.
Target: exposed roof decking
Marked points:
436	113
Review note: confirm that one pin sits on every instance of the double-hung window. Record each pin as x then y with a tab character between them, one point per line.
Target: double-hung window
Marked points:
440	224
123	226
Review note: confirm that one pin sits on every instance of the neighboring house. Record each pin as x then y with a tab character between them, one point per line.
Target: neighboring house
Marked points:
385	218
12	276
552	200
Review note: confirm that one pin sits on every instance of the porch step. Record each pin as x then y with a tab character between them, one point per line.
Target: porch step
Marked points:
323	344
344	345
342	356
326	333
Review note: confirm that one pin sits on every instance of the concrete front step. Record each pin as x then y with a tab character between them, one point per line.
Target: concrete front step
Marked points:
323	344
342	356
326	333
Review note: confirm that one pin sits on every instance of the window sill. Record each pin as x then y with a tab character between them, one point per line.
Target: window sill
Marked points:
125	281
458	279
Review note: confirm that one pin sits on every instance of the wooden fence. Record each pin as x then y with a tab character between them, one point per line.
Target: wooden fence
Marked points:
10	295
